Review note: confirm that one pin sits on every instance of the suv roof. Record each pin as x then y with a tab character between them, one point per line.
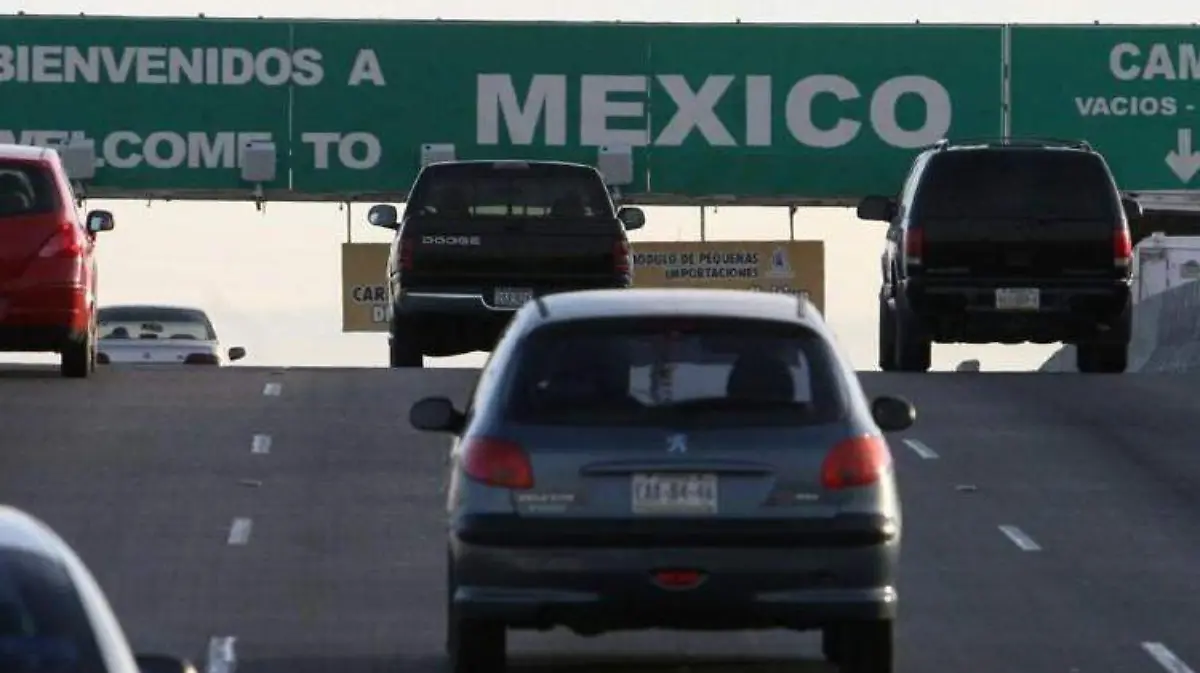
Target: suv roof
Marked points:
1019	143
531	162
651	302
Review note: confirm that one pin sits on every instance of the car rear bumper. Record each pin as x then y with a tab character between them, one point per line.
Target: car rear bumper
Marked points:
593	589
18	338
964	310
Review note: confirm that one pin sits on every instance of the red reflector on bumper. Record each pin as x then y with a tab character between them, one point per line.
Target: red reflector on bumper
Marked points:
678	579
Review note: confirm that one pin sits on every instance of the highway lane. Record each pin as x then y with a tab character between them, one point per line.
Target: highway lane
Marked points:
337	562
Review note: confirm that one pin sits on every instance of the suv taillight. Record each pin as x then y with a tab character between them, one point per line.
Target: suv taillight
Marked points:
1122	248
406	254
497	462
67	242
856	462
201	359
914	245
622	259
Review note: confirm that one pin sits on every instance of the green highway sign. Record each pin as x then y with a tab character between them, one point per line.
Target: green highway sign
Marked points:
1131	91
746	113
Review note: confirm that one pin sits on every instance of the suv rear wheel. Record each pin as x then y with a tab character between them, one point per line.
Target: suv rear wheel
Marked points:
914	350
866	647
404	351
1102	358
887	337
477	646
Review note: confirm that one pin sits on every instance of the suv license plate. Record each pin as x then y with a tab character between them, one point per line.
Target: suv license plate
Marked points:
511	297
1018	299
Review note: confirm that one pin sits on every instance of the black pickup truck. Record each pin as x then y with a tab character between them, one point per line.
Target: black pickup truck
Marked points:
1006	241
478	239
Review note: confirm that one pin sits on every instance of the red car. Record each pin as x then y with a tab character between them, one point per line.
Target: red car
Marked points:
47	261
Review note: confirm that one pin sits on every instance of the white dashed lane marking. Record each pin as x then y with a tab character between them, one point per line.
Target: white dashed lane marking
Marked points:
260	444
239	531
273	389
221	656
1019	538
921	449
1166	658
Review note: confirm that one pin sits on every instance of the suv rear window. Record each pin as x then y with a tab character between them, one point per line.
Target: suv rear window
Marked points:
1018	184
704	371
511	190
25	189
43	624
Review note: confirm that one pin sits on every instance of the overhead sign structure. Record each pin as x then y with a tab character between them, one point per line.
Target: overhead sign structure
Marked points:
793	267
1131	91
741	113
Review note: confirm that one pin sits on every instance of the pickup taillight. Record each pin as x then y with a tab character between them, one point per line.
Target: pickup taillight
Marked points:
622	258
914	245
406	254
1122	248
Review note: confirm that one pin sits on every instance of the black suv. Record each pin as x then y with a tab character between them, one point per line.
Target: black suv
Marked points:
481	238
1006	241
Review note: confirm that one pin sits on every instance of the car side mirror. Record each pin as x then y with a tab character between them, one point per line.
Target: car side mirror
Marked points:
99	220
1132	207
384	216
877	209
893	414
236	353
435	414
632	218
161	663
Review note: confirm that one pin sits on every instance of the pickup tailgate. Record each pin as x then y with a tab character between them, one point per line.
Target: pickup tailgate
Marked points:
530	252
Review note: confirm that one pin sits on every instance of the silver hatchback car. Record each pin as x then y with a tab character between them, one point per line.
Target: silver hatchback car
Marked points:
674	459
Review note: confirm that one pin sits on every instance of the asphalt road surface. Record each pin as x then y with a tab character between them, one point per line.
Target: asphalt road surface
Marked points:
1051	522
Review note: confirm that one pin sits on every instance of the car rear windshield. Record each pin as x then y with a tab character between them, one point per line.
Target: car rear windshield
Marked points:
701	371
510	190
154	323
43	624
1002	184
25	189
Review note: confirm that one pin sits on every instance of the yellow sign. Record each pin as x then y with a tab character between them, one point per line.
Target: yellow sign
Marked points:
769	266
364	295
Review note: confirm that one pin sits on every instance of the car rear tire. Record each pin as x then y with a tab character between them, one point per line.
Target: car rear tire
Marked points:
477	646
867	647
887	337
1102	358
403	349
831	644
914	351
79	357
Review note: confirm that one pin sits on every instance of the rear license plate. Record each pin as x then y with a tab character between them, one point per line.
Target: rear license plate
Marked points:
674	494
511	297
1018	299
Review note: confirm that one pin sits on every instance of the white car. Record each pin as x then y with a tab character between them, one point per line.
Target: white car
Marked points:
53	614
160	335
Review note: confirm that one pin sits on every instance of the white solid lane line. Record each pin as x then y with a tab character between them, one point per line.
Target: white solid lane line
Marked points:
260	444
921	449
221	657
273	389
1166	658
1019	538
239	531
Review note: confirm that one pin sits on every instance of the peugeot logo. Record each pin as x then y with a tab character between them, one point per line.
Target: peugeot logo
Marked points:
677	443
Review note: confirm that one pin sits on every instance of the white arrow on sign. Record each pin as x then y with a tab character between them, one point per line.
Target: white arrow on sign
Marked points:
1182	160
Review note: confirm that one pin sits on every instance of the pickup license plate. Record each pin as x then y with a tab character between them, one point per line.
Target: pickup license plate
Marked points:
674	494
511	297
1018	299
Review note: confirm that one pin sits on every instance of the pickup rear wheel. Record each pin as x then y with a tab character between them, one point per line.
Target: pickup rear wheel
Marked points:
867	647
477	646
404	351
887	337
1102	358
914	350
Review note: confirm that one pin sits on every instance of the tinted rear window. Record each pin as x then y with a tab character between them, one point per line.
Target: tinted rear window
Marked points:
658	372
154	323
43	624
535	190
25	189
1016	184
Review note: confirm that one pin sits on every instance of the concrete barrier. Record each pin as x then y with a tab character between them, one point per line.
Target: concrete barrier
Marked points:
1166	335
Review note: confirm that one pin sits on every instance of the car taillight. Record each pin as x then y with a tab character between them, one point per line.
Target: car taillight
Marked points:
406	254
497	462
860	461
1122	248
66	242
202	359
622	261
914	245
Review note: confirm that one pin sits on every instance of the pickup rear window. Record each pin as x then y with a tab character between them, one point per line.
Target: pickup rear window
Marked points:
1016	184
25	189
702	371
510	190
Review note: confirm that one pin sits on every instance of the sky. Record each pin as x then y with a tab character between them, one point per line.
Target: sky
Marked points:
271	280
